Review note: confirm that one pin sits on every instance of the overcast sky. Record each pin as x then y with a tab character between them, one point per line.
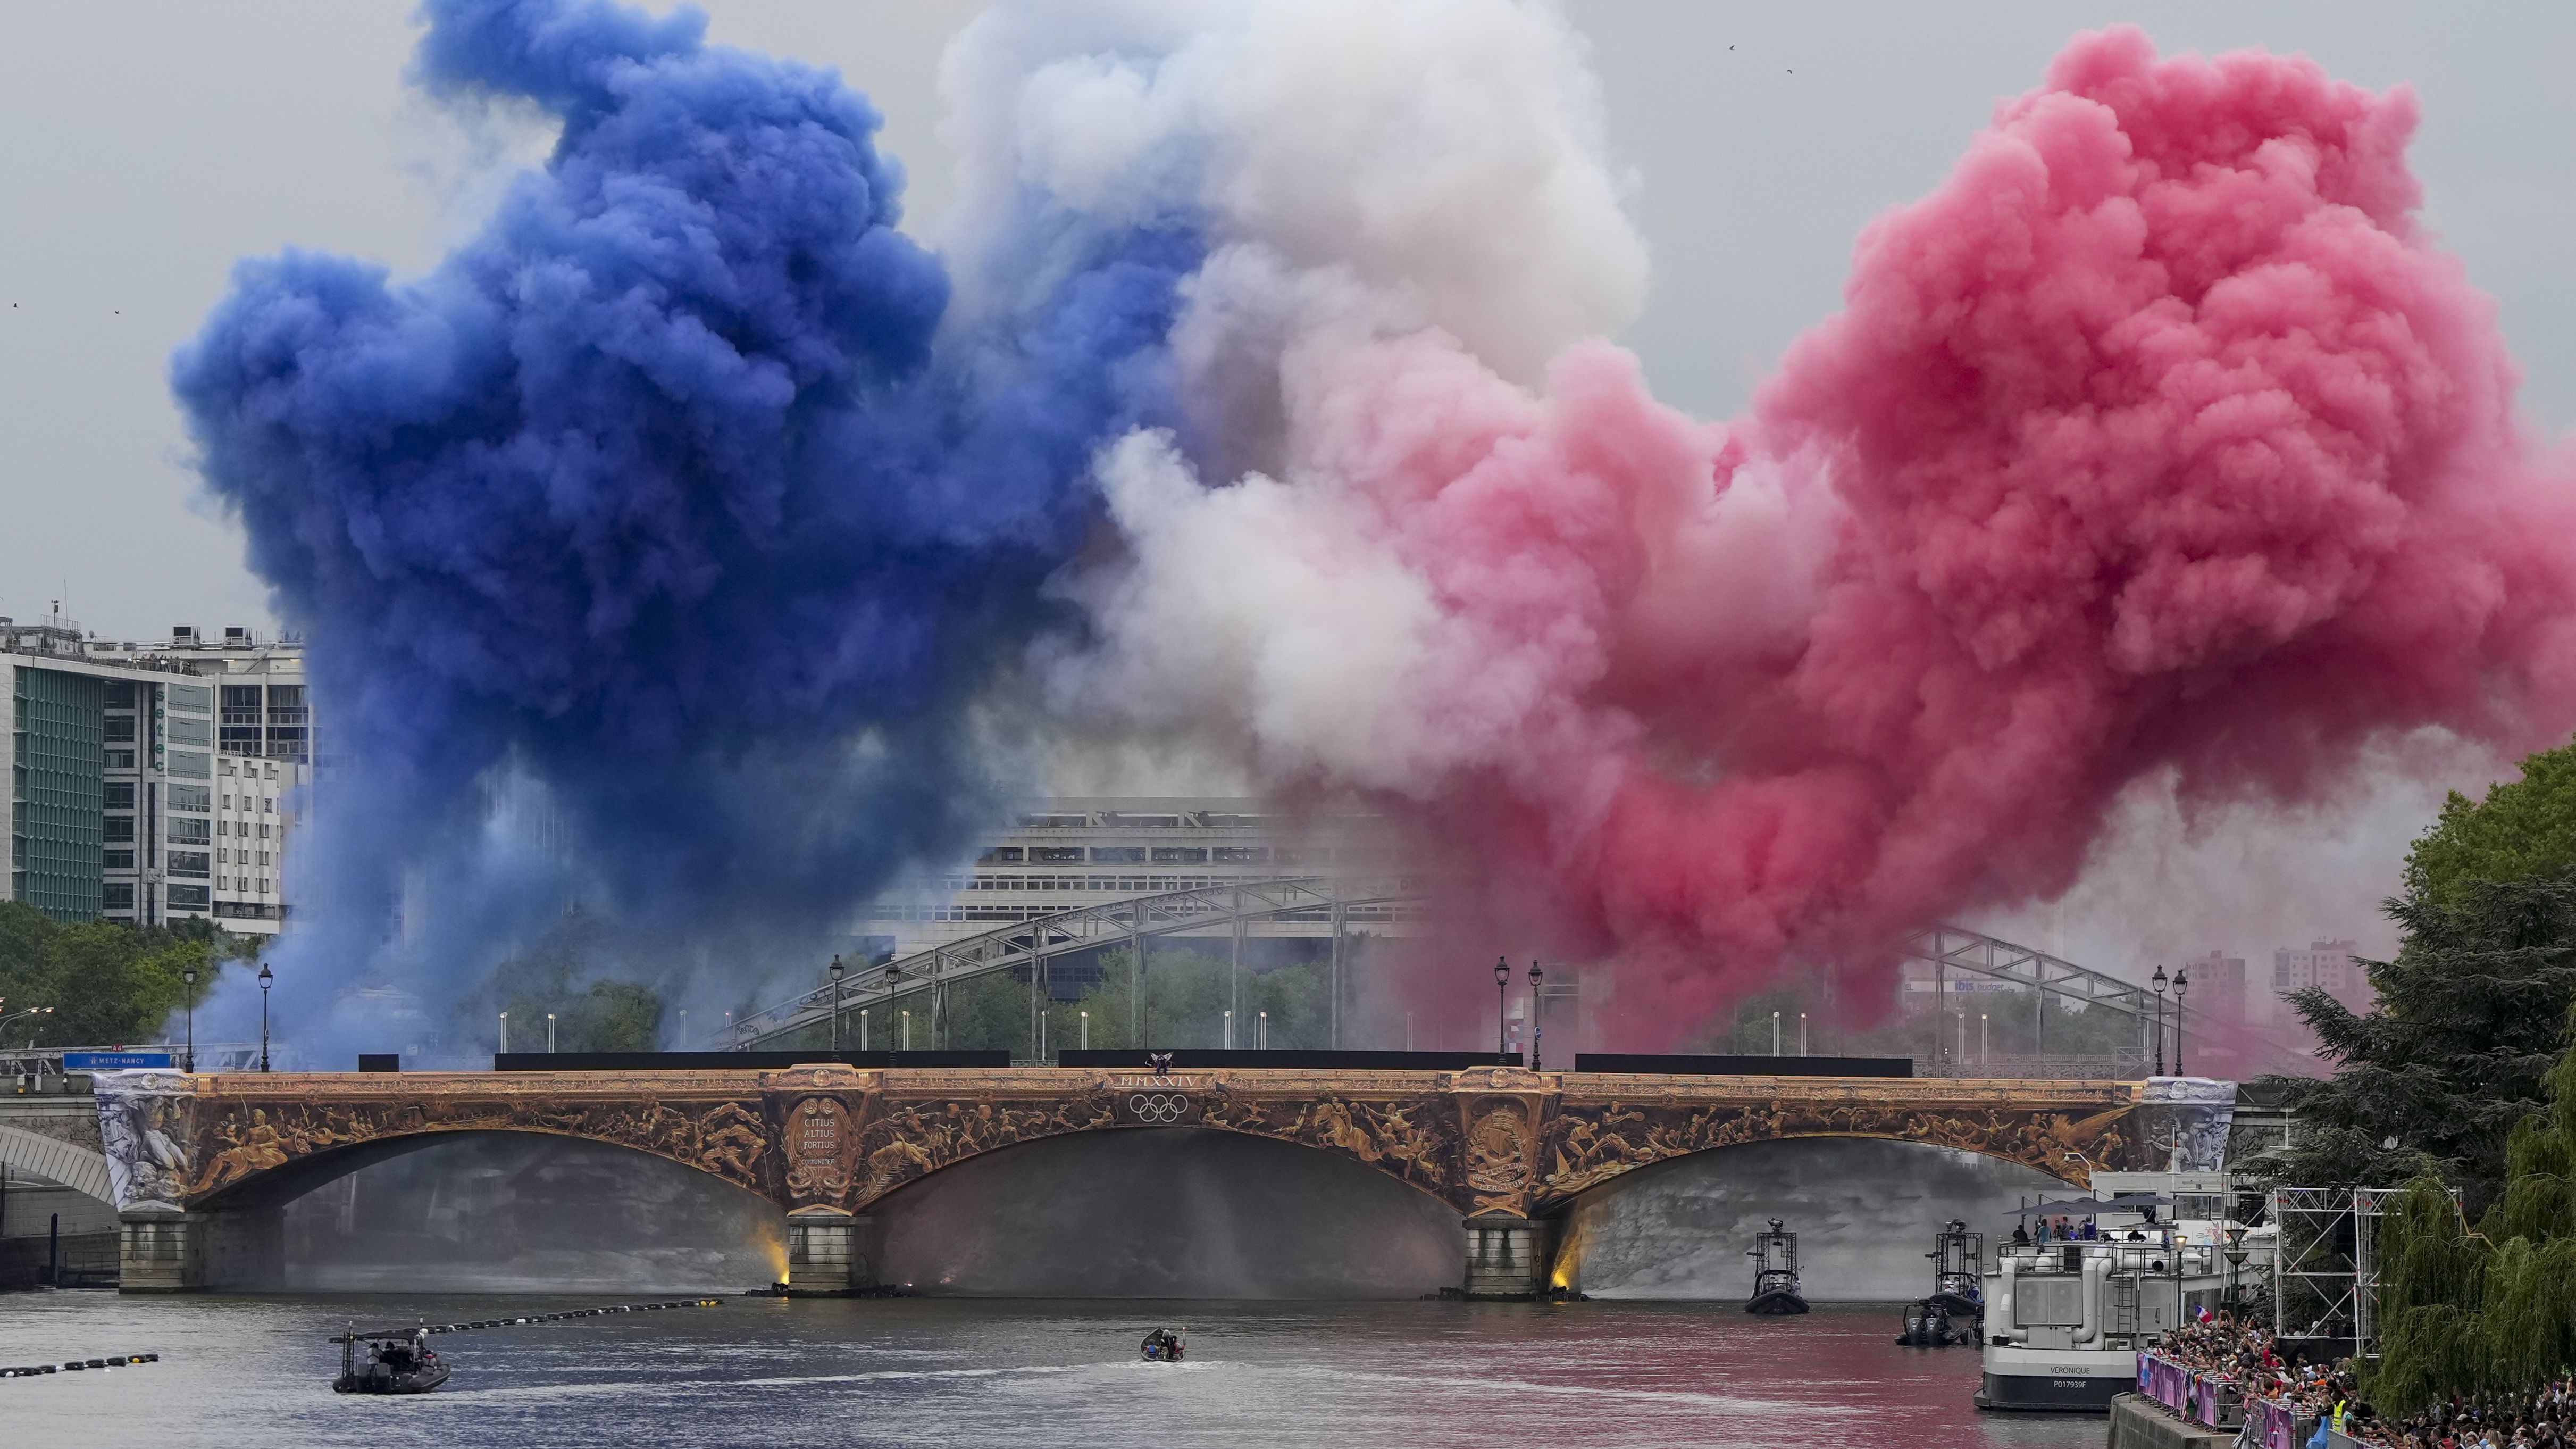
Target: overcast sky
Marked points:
145	146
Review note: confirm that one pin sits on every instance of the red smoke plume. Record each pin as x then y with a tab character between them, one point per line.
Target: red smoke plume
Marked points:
2159	437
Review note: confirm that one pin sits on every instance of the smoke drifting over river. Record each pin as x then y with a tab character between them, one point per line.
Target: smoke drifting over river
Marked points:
1259	405
507	1213
1864	1211
1169	1213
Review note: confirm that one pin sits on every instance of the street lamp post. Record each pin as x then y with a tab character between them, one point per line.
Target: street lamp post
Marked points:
33	1027
836	1001
2182	983
2158	982
894	983
190	976
1538	1019
266	978
1502	990
2235	1252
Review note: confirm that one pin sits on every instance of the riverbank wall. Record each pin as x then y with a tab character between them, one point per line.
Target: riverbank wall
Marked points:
2138	1422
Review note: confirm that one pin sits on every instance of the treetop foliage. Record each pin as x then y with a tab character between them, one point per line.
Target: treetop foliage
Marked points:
2456	1052
109	984
2523	829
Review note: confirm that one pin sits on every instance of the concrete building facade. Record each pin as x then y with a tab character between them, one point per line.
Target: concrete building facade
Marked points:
2217	985
152	783
2329	964
1073	851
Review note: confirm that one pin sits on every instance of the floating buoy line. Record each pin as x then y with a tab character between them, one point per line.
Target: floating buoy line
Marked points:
530	1320
76	1365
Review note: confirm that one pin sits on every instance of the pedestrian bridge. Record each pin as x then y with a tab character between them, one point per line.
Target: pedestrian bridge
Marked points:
200	1162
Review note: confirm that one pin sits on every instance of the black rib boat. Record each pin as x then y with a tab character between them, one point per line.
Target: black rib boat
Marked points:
1775	1273
399	1361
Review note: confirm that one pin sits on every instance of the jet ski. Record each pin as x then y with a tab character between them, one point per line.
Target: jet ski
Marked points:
399	1362
1775	1273
1164	1346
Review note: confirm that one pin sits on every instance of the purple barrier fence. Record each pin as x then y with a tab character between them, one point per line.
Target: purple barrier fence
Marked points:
2205	1399
2276	1424
2166	1382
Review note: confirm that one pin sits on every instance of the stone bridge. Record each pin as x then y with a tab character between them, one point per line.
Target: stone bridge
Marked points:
194	1158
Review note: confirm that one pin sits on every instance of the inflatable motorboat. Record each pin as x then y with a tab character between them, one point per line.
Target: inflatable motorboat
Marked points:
397	1363
1165	1346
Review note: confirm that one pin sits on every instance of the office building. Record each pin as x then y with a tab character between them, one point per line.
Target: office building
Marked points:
152	782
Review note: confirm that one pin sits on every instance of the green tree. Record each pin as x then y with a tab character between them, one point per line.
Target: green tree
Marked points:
108	983
2492	1310
2524	829
562	973
2456	1051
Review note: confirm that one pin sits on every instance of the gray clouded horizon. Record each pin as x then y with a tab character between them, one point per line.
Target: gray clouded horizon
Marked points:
144	147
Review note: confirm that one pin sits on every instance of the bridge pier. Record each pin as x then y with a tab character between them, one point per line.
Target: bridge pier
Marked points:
1509	1257
192	1252
830	1252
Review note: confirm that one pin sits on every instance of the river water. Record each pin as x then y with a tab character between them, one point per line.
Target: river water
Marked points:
255	1370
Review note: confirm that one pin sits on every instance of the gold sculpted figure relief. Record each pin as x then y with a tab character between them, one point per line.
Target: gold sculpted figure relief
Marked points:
843	1138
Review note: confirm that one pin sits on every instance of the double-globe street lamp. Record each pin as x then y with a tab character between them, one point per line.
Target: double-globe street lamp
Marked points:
2158	982
836	1001
2181	985
188	1063
1502	1005
267	978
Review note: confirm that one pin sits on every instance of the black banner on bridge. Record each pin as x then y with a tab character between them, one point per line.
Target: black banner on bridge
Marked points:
734	1061
1738	1066
1205	1057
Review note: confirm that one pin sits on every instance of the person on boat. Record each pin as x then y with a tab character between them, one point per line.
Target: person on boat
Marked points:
2021	1235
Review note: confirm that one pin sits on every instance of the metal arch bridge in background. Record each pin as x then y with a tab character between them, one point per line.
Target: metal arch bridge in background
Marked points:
1342	901
1336	901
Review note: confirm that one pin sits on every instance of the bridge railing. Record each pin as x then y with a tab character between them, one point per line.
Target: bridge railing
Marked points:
1334	901
27	1063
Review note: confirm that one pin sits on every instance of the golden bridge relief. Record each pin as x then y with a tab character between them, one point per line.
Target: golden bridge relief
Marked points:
837	1139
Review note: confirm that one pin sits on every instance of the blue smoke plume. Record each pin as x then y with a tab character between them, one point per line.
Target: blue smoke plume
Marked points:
665	511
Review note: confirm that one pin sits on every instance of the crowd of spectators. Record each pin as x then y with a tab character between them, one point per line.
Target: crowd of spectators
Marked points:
2248	1356
2542	1419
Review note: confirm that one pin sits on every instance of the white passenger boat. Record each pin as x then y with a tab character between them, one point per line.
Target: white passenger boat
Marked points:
2065	1318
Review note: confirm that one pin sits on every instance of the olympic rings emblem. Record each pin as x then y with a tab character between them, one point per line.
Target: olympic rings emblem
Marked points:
1158	1106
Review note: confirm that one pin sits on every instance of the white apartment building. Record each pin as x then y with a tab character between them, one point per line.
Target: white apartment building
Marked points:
1074	851
152	782
2329	964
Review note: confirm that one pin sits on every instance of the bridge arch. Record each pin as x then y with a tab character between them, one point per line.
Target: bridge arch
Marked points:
1865	1209
277	1184
75	1165
1164	1212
